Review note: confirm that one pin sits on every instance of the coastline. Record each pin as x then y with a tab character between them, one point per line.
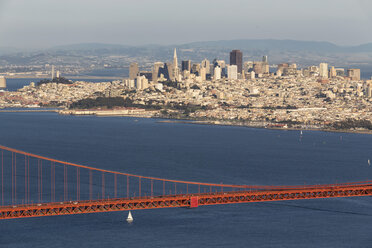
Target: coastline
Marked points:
137	113
198	122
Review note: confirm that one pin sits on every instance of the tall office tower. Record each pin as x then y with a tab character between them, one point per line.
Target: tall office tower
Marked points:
264	59
186	65
175	66
2	82
170	71
206	64
258	67
133	70
332	72
195	68
52	72
155	71
354	74
236	58
217	73
203	73
232	72
58	74
323	70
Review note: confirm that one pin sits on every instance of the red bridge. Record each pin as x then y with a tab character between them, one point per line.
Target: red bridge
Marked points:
33	185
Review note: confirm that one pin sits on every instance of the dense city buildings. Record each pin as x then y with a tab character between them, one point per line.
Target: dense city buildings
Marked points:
317	96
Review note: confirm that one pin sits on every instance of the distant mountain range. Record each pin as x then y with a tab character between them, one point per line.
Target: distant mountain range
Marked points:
267	44
245	44
105	57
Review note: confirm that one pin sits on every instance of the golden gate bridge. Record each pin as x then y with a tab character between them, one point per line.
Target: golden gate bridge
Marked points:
35	186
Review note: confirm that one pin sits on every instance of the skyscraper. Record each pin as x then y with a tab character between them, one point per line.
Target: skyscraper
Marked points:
186	65
264	59
232	72
52	72
236	58
206	64
133	70
175	66
323	70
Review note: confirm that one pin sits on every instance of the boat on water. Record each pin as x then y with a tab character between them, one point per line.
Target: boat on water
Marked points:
369	162
129	218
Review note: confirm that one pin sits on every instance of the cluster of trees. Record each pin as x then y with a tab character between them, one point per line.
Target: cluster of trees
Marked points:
280	107
102	102
59	80
111	102
352	123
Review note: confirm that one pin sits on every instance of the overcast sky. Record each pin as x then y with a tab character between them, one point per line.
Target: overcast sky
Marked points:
46	23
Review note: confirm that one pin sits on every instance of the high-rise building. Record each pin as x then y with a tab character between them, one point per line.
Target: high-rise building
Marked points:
175	66
217	73
133	70
332	72
186	65
206	64
232	72
236	58
2	82
52	72
203	73
265	59
323	70
141	83
155	71
354	74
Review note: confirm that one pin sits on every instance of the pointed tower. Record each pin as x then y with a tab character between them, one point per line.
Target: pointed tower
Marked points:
175	66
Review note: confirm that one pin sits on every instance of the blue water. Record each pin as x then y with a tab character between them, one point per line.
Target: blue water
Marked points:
199	153
17	83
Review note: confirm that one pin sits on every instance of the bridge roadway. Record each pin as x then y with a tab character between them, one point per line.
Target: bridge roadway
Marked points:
187	200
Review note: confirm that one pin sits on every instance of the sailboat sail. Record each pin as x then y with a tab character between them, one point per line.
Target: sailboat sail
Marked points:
129	218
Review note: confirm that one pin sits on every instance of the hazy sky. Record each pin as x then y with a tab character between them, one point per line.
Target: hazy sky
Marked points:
46	23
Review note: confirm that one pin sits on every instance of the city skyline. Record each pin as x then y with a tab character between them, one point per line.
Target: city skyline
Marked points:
40	24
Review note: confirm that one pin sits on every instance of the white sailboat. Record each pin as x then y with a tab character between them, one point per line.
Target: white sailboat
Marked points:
369	162
129	218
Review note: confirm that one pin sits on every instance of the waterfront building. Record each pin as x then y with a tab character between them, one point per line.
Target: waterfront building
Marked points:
232	72
2	82
236	58
133	70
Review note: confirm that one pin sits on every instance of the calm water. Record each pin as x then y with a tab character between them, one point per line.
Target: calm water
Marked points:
200	153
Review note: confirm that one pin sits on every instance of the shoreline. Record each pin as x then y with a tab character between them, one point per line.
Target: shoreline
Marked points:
145	115
198	122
